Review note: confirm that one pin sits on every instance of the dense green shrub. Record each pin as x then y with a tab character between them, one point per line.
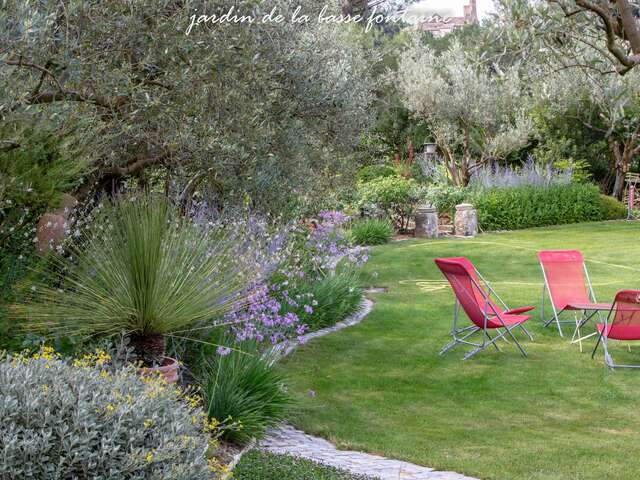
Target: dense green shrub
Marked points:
372	172
391	196
268	466
61	420
34	173
524	207
241	386
371	231
33	176
443	197
336	297
612	208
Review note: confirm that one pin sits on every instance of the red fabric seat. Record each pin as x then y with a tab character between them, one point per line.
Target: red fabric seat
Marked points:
517	311
620	332
567	282
509	320
588	306
623	323
485	314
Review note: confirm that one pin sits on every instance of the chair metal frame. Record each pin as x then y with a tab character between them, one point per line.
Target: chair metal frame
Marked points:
604	339
578	323
467	332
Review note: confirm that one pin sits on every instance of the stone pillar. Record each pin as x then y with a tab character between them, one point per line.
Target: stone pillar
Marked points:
466	220
426	219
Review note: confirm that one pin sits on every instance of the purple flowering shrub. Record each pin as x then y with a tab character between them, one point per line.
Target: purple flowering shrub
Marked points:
327	245
292	260
264	318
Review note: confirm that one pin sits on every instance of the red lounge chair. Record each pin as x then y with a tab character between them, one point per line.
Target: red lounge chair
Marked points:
567	282
622	323
484	313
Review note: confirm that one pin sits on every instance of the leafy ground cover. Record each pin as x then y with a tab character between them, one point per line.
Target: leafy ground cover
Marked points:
381	386
267	466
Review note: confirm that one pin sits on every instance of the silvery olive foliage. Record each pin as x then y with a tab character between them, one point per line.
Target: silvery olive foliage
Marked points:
476	110
608	30
608	104
573	76
260	111
61	421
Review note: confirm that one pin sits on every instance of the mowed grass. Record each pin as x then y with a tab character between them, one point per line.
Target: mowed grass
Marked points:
381	386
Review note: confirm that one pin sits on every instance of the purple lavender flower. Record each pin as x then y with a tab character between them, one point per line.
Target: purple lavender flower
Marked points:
223	351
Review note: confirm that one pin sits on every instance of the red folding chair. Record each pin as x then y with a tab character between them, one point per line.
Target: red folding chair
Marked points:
567	282
469	288
622	323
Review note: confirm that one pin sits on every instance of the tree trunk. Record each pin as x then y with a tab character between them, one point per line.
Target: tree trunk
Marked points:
622	154
149	348
466	158
630	24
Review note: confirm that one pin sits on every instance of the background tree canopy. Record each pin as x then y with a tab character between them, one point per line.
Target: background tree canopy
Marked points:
263	112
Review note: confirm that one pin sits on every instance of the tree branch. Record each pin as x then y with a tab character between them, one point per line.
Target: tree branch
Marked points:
61	94
612	32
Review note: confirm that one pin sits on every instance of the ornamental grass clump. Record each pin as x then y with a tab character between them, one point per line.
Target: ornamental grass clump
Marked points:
335	297
82	420
242	386
144	270
371	231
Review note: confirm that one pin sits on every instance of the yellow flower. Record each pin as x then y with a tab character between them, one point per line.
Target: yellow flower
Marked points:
101	357
48	353
149	457
45	389
148	422
109	408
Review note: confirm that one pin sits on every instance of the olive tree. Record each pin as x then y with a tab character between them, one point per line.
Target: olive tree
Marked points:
606	104
611	27
608	29
476	111
257	110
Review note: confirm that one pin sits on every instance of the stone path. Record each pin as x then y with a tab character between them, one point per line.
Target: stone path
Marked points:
288	440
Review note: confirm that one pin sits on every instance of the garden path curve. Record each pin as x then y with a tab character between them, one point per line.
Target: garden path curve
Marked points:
290	441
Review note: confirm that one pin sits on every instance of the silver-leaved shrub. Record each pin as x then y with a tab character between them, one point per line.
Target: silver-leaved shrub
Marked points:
82	420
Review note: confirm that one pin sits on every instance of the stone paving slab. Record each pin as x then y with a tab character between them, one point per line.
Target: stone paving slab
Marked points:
290	441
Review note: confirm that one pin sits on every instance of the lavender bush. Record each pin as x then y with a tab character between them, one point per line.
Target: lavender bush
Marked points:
530	174
292	258
328	244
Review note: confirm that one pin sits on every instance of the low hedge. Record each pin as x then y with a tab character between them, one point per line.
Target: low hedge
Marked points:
612	209
526	207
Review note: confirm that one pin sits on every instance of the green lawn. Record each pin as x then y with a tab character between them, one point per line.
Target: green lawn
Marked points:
382	387
259	465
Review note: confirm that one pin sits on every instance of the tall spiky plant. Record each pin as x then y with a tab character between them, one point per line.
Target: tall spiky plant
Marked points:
144	271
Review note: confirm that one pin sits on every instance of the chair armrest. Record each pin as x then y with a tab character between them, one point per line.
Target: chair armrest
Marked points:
516	311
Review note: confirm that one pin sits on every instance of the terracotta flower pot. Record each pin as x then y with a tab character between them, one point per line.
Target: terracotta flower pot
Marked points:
168	370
